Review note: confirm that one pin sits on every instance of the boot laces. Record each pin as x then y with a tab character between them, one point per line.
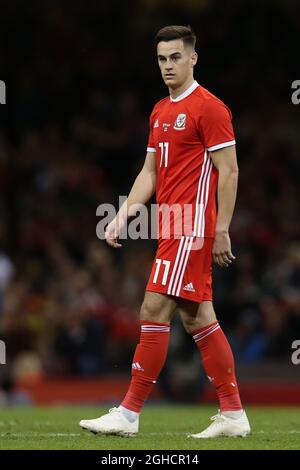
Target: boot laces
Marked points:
114	409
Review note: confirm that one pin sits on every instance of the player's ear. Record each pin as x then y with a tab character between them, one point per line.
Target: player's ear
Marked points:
194	58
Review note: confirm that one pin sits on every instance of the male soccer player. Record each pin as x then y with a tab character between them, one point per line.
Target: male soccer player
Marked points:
190	156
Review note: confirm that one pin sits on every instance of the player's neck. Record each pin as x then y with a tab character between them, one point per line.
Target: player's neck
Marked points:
178	91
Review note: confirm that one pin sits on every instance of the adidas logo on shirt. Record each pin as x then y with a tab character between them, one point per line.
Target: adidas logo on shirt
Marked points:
189	287
156	123
137	366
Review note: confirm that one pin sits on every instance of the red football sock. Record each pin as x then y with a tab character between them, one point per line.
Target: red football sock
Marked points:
218	362
149	358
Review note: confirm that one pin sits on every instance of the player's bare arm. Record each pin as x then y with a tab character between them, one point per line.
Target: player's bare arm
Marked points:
226	163
141	192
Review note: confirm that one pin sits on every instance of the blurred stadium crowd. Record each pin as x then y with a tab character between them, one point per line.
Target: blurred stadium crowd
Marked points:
81	83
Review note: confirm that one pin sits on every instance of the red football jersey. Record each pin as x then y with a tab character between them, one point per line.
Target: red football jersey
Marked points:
183	131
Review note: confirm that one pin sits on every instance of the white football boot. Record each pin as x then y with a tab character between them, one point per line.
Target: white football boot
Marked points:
114	422
222	426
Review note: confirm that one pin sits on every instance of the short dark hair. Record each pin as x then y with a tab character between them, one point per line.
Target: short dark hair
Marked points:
169	33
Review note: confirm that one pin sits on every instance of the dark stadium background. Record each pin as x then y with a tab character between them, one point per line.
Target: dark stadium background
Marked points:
81	80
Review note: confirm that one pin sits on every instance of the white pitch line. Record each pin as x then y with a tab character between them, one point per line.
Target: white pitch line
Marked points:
39	434
145	434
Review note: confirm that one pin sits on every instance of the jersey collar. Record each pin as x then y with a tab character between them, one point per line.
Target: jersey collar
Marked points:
185	93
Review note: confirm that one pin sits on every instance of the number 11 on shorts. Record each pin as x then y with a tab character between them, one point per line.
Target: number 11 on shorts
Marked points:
166	263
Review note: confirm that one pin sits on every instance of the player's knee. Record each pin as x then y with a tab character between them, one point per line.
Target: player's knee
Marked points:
150	311
206	313
205	316
153	309
190	324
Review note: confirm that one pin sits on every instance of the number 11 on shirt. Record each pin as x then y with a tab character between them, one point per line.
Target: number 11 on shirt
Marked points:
164	153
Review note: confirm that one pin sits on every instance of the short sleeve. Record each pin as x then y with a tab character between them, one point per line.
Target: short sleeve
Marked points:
151	145
215	125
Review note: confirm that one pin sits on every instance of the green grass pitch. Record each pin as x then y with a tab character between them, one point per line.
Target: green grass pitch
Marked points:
161	428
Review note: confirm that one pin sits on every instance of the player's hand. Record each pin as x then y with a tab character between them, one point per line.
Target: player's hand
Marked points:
221	251
112	232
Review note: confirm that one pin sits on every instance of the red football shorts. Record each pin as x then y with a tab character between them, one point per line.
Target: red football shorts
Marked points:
183	268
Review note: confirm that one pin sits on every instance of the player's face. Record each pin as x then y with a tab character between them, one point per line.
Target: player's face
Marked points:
176	62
